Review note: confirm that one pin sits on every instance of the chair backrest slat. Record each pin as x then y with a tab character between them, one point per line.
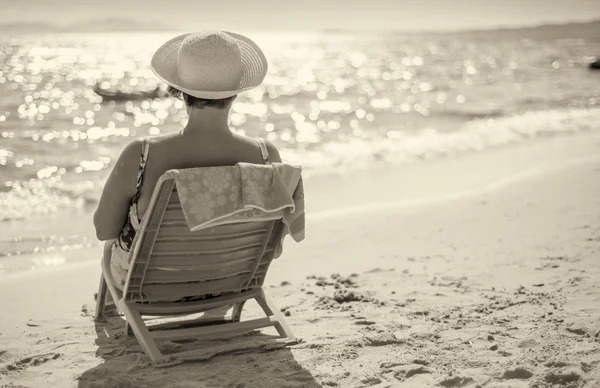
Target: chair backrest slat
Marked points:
154	276
199	261
160	276
169	261
219	232
173	215
173	291
174	200
204	247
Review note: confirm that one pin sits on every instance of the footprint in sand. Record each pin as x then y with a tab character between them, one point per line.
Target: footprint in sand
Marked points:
577	330
568	377
456	381
517	373
383	339
370	380
555	364
408	371
528	344
27	362
365	323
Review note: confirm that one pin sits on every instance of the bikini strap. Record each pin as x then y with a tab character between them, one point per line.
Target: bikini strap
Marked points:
141	169
263	150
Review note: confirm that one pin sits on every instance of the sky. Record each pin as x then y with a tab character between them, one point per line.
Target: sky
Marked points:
267	15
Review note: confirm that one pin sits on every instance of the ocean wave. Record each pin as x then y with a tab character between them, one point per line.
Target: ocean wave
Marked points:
44	244
44	196
40	197
476	135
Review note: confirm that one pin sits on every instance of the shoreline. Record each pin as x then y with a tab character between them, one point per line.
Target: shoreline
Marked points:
375	190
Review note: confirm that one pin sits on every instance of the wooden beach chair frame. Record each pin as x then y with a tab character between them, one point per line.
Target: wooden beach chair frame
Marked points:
169	262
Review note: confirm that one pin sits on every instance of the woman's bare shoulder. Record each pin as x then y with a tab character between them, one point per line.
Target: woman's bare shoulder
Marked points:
162	138
131	153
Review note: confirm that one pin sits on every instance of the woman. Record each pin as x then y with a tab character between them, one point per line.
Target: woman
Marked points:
207	70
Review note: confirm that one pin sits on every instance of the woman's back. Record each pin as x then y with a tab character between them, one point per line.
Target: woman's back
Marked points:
199	149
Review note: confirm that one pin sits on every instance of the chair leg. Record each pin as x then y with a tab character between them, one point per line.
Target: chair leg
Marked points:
236	315
270	309
141	332
101	298
262	302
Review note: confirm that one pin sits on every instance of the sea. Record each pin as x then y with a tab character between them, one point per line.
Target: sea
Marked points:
332	101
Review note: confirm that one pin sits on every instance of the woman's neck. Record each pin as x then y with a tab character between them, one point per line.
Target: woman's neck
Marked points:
207	121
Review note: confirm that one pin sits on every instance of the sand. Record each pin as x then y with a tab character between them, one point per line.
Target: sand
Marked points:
476	271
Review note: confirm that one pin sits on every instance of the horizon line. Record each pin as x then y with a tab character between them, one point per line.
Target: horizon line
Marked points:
6	27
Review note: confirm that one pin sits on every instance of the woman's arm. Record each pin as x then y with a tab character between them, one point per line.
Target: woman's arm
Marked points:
113	207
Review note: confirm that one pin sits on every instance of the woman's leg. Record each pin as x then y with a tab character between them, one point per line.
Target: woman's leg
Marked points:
108	258
103	297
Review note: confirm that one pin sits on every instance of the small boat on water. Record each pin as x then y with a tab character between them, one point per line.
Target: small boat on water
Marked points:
594	65
128	95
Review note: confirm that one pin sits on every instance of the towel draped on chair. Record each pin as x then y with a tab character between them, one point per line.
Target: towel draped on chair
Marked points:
235	193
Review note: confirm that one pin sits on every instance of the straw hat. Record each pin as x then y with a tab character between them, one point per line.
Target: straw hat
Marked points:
210	64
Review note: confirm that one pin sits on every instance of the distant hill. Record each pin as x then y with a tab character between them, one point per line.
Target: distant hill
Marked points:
589	29
105	25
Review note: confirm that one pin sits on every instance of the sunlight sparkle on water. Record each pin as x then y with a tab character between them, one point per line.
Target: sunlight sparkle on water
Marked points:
72	102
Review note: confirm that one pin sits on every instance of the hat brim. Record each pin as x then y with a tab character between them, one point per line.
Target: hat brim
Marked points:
253	64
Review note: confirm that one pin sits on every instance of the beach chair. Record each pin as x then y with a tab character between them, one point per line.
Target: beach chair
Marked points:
170	262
